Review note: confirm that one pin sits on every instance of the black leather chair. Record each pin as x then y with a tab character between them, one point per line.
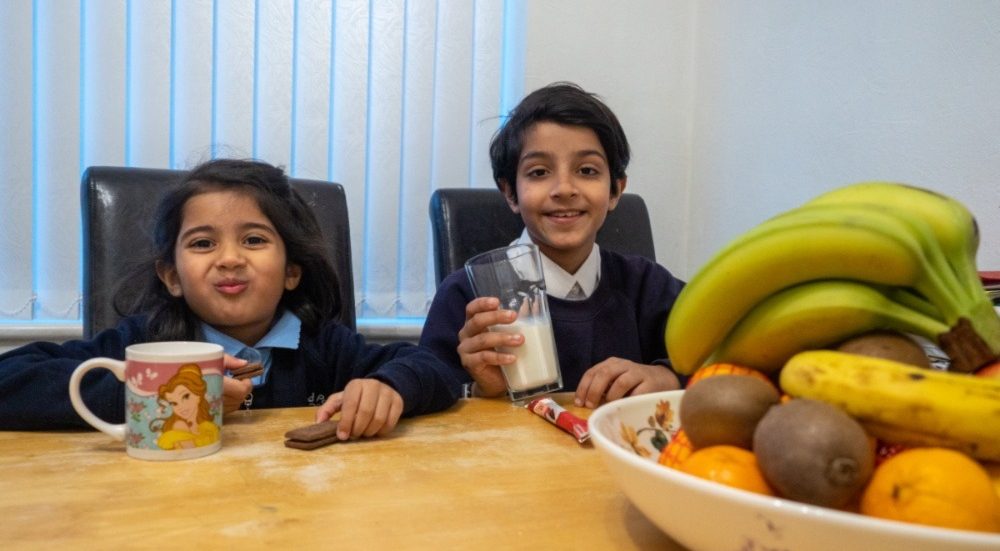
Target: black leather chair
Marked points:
117	208
468	221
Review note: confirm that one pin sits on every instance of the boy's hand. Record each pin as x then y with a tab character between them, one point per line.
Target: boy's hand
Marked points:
477	345
615	378
234	392
367	407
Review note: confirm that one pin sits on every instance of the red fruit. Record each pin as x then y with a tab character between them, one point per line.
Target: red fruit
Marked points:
885	450
989	370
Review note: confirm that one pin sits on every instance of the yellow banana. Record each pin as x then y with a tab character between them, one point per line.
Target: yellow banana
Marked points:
815	315
842	242
901	403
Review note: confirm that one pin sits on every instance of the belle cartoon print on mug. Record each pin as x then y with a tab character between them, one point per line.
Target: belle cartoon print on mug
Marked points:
173	399
190	408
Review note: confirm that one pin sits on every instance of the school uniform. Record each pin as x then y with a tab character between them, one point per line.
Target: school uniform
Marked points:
300	370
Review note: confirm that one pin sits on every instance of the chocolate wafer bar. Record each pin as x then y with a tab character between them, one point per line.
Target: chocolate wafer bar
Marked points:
246	372
311	437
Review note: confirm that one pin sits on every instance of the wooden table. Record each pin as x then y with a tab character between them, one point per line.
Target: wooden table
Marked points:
483	475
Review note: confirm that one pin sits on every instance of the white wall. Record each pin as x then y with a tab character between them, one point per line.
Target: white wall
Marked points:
753	107
636	55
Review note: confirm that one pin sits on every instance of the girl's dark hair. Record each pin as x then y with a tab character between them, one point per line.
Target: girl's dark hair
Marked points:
314	301
562	103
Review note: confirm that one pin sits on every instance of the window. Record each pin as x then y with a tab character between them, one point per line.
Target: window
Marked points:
389	98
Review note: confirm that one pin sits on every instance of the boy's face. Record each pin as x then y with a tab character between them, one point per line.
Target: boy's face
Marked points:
231	265
563	190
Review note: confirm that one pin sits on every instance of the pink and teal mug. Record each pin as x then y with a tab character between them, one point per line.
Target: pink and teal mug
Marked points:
173	399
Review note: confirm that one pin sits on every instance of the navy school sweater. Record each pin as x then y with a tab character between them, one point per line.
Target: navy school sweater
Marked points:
34	379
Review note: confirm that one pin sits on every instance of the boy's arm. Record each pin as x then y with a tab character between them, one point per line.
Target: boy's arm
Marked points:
457	332
653	291
444	320
658	291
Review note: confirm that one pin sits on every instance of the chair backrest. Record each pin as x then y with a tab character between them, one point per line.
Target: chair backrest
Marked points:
117	210
468	221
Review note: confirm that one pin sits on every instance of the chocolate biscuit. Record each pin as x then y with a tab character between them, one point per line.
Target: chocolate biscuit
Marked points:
313	436
247	372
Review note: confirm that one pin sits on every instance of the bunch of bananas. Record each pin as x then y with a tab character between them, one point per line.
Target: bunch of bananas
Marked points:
868	256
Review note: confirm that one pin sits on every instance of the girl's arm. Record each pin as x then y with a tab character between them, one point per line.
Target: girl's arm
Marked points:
424	382
34	381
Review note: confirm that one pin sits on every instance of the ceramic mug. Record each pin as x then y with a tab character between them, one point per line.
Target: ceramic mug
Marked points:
173	399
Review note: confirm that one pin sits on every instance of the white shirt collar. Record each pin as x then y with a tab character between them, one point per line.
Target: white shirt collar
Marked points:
559	282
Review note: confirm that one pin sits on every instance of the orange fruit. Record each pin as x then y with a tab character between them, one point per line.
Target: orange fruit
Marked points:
933	486
993	469
729	465
712	370
677	451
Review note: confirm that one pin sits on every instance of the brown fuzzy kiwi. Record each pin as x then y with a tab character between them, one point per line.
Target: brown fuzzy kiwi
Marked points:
724	409
812	452
890	345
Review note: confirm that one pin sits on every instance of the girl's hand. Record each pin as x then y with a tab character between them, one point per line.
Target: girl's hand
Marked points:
233	392
615	378
477	345
367	407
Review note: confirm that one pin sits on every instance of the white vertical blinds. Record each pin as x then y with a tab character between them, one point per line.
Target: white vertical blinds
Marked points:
391	98
17	285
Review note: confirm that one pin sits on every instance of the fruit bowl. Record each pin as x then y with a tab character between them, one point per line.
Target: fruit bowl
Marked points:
700	514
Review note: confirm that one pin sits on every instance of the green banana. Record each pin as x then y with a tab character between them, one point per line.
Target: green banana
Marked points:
977	339
953	225
816	315
844	242
900	403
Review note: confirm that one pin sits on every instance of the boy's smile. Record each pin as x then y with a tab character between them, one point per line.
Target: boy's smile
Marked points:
231	266
563	190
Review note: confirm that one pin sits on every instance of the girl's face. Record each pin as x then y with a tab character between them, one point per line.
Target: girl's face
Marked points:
563	190
183	402
231	265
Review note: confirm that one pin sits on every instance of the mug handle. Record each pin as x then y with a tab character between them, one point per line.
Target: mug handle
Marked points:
118	368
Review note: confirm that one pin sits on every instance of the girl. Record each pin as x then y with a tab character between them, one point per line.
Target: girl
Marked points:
239	261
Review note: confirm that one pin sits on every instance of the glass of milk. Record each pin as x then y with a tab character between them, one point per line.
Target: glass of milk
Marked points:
514	275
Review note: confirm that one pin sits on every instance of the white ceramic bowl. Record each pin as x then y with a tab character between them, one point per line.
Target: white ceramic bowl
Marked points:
703	515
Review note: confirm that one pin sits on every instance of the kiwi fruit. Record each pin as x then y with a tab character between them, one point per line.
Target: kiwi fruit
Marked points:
891	345
811	451
724	409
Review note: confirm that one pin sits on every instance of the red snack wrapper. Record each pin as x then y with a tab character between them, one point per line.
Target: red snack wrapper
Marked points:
558	416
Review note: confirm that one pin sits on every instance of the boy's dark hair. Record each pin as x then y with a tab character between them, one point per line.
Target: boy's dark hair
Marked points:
562	103
314	300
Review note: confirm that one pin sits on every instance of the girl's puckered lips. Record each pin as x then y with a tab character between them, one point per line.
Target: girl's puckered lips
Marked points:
231	286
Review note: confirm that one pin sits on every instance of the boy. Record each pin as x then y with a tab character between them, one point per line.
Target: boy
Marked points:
560	162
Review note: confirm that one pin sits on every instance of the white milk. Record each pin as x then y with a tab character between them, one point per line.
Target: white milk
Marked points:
536	364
